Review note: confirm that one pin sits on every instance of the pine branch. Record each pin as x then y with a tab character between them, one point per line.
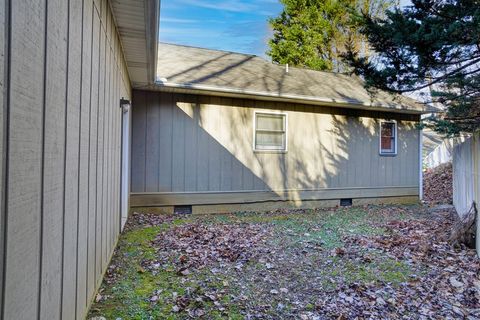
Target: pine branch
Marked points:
439	79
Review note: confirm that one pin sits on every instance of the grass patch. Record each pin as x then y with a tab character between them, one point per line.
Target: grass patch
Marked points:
385	270
130	296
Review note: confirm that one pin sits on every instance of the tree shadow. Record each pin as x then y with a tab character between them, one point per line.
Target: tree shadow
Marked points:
190	67
205	144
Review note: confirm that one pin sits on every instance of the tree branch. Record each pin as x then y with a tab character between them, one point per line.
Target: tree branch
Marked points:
436	80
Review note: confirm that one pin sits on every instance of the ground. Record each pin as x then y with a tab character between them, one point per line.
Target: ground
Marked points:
387	262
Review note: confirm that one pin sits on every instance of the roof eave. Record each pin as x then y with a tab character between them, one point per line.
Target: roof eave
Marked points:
153	24
258	95
137	23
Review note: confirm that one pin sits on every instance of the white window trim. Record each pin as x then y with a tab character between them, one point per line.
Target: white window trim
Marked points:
255	132
392	154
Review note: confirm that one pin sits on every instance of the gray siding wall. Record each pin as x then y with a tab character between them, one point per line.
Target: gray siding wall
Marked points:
60	86
3	125
200	144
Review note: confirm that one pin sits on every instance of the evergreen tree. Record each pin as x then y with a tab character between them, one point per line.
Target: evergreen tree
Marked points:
314	33
435	45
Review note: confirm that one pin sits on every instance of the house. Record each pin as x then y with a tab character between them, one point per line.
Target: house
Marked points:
65	67
222	131
217	131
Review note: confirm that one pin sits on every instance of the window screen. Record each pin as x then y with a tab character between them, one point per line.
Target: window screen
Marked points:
270	131
388	139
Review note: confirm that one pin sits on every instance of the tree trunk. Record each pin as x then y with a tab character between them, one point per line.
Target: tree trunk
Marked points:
464	229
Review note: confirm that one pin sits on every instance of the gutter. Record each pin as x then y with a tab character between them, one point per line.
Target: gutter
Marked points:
420	160
152	21
264	95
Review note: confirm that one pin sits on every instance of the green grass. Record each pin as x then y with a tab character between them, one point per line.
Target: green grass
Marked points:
379	270
129	297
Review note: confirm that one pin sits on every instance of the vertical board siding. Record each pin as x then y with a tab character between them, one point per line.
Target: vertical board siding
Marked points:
61	124
99	163
165	142
117	173
152	143
115	213
24	200
92	152
138	142
3	129
53	159
190	143
178	147
82	252
71	161
106	140
109	178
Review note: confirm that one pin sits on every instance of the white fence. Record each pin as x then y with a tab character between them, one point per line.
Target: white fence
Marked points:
466	180
441	154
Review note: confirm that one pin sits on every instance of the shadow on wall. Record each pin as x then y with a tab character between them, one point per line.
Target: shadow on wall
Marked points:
172	150
187	143
355	160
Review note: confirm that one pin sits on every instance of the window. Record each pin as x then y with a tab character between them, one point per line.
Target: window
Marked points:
388	138
270	132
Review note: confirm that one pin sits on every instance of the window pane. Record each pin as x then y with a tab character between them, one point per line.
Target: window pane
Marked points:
387	138
387	144
274	139
387	129
270	122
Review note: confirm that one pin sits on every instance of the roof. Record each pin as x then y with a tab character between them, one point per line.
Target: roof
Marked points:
137	25
204	71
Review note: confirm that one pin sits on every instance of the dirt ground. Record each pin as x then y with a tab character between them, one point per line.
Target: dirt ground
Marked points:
371	262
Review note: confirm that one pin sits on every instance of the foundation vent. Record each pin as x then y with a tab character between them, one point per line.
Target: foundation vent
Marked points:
346	202
182	209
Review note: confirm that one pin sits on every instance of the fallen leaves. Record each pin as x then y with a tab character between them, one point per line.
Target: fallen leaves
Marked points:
387	263
197	245
457	284
144	220
437	185
445	285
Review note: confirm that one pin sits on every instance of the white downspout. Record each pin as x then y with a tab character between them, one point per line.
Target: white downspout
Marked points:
420	164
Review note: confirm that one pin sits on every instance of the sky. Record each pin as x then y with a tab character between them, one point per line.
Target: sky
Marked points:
230	25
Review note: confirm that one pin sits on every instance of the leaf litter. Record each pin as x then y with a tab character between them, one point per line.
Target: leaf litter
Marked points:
438	184
197	245
375	262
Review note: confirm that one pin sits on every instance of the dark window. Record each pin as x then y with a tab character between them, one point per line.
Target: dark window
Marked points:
388	138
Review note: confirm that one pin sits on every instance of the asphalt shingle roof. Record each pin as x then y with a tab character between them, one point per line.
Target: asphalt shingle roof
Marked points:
189	68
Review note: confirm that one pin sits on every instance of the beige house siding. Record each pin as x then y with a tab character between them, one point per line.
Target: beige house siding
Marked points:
61	122
3	125
192	149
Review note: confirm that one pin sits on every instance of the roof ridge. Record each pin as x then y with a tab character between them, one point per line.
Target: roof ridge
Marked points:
254	55
210	49
310	69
